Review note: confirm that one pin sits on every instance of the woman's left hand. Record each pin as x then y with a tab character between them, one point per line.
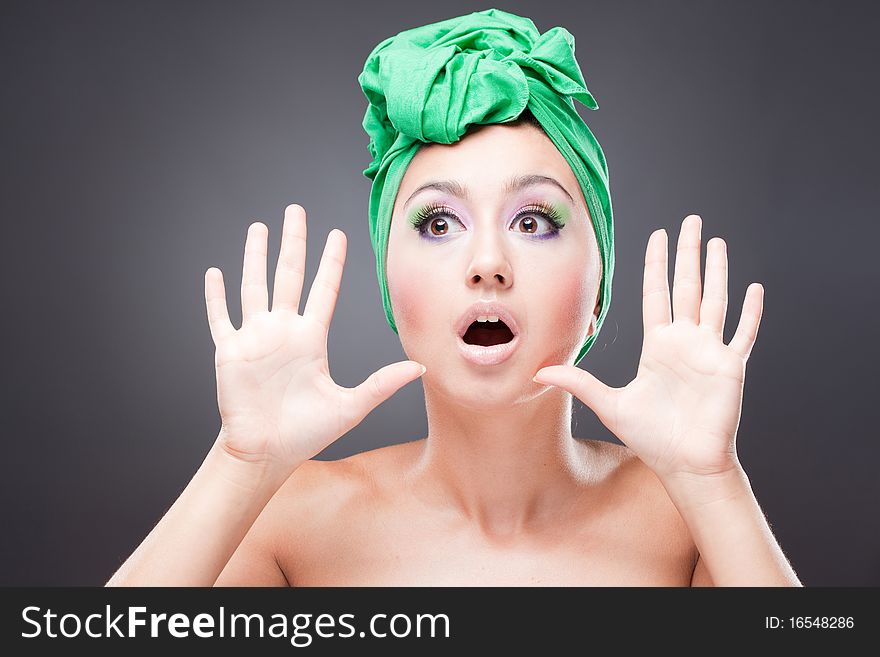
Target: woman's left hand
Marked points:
681	413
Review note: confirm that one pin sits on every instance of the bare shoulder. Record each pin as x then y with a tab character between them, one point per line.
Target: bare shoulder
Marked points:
356	477
633	484
319	485
620	465
324	505
619	462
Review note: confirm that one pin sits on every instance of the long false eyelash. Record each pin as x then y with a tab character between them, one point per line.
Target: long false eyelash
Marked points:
546	211
423	217
425	214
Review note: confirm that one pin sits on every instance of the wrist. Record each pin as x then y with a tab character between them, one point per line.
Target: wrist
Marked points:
696	491
249	475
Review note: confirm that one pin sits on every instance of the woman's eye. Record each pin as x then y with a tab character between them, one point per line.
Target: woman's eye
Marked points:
530	223
438	226
434	221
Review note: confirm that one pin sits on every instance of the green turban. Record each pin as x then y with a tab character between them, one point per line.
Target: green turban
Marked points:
428	84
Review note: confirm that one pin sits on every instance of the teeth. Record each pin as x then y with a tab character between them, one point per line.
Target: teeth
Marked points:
487	318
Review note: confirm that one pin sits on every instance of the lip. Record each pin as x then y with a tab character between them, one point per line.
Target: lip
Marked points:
494	354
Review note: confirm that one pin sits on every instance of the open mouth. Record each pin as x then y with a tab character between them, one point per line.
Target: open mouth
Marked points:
486	334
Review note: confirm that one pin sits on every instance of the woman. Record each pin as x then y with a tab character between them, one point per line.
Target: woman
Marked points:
491	221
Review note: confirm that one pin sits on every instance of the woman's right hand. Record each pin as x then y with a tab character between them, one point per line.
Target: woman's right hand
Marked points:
278	403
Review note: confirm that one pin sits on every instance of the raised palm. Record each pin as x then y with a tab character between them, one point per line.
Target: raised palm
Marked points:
681	413
277	401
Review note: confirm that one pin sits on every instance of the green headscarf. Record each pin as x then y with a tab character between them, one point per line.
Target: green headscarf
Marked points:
428	84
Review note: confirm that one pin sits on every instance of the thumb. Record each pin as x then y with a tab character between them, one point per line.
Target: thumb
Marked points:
383	383
600	398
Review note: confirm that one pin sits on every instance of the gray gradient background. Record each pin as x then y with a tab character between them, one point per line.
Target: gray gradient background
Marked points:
139	140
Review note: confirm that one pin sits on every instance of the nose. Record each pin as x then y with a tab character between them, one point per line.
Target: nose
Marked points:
489	265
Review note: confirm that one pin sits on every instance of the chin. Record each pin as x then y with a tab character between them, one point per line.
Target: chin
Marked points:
497	387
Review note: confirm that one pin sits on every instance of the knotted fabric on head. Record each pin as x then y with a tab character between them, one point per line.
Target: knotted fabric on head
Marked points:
430	83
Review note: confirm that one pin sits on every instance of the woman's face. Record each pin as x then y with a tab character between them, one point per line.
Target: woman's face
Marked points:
488	242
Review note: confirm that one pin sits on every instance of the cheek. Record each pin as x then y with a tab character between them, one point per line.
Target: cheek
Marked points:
410	300
571	300
568	305
408	304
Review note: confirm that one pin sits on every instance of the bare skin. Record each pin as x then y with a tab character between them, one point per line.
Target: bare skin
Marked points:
499	492
364	521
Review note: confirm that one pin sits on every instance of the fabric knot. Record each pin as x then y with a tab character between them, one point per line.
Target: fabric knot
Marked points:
430	83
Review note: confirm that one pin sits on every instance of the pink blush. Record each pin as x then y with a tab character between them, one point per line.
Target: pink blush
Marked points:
568	301
409	303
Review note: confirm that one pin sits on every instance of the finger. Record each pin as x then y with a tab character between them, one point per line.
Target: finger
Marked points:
686	285
713	308
215	301
747	331
254	291
379	386
655	291
325	288
290	271
601	399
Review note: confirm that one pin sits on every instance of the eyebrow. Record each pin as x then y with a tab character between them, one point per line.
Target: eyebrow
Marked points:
511	185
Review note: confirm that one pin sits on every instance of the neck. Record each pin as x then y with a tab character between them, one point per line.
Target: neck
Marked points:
506	469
